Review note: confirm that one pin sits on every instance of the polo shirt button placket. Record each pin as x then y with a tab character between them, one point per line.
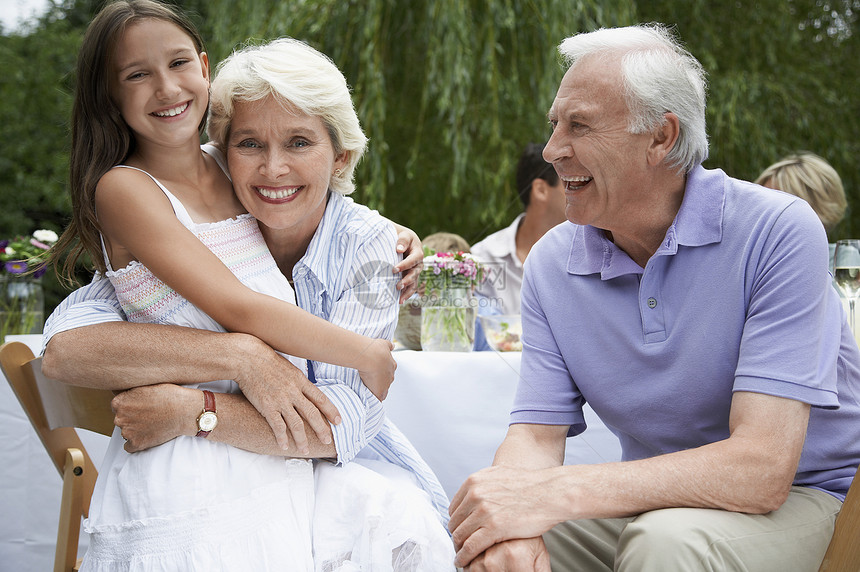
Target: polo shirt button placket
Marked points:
650	311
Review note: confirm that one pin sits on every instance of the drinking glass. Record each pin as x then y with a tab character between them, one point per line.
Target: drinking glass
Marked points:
846	262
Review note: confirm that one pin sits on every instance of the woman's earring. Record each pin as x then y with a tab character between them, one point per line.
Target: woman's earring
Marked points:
338	172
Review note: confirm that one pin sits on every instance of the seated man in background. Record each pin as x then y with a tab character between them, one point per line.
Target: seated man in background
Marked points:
542	195
694	313
504	252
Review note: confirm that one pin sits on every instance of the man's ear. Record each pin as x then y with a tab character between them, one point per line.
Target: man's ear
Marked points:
540	191
665	137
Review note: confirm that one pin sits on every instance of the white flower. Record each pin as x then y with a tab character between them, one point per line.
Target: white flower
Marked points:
46	236
10	251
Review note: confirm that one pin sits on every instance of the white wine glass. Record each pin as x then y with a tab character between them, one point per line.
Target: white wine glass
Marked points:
846	262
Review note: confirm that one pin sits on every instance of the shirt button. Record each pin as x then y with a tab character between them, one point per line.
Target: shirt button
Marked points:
652	303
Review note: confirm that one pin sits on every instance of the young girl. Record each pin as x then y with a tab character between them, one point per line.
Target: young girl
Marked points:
159	217
127	113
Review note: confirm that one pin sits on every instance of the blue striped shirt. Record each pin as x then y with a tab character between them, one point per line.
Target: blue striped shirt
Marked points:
95	303
345	277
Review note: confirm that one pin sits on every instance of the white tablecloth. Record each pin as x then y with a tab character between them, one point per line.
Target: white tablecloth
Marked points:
455	409
453	406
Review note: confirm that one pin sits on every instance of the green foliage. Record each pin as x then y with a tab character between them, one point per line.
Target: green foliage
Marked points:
35	107
449	91
34	115
782	79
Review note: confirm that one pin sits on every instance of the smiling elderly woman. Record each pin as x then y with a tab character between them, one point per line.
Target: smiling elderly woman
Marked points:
284	116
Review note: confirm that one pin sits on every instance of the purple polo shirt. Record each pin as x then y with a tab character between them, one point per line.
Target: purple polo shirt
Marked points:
737	298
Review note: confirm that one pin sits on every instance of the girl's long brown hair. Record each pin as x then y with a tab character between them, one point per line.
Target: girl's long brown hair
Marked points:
101	139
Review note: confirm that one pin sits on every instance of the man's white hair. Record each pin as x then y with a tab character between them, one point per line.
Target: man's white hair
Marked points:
658	75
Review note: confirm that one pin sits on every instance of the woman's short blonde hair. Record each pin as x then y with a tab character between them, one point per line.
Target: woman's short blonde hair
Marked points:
811	178
446	242
302	79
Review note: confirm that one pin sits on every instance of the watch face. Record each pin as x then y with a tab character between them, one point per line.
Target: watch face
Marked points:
207	421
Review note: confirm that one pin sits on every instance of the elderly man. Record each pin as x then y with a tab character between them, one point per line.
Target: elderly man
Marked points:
694	313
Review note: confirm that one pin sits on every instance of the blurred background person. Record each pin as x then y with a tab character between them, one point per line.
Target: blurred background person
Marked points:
542	194
504	252
446	242
408	332
808	176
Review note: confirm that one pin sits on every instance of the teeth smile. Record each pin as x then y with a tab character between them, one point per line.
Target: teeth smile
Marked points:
171	112
281	194
576	182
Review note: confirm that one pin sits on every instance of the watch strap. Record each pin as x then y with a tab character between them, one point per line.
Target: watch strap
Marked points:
208	405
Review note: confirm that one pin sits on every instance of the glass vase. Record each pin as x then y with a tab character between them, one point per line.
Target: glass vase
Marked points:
448	320
22	306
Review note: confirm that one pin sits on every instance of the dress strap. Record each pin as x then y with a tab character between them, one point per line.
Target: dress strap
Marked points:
108	267
216	154
178	207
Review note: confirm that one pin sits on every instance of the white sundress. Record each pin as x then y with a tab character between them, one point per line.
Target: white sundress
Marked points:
372	516
191	503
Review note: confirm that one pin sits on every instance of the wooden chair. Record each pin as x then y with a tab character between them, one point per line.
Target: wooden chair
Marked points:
55	409
843	553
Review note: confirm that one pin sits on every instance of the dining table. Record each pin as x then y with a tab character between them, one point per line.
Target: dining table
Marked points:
453	406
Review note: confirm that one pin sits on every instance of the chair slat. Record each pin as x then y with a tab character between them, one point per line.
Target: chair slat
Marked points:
73	406
54	410
843	553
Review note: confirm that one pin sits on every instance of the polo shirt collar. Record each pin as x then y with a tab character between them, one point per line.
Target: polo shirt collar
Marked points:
699	222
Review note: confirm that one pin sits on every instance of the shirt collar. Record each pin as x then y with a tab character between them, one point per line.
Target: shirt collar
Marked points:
315	260
699	222
504	242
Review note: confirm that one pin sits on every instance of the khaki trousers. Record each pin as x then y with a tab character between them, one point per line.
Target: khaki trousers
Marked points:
791	539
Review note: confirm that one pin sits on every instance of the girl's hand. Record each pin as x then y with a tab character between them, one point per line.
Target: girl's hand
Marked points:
409	244
378	374
150	415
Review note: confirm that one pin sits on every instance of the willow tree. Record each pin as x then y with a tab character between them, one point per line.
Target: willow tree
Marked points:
448	91
782	78
34	112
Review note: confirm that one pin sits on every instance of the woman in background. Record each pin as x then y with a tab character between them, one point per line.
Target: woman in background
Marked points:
811	178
